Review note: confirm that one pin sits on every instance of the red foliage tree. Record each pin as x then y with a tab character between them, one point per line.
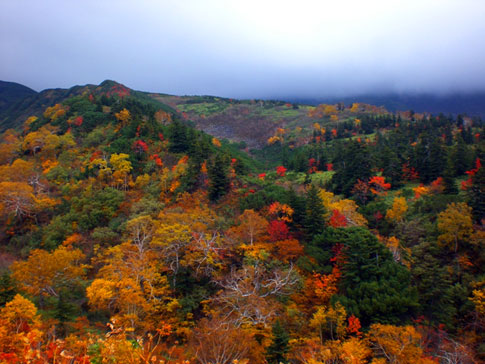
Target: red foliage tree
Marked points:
280	171
278	230
337	219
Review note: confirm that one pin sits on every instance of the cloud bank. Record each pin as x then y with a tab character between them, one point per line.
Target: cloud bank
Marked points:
247	49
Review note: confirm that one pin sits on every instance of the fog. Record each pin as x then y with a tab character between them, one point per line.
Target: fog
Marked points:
247	49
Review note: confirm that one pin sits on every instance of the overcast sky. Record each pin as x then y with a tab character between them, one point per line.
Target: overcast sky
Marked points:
246	48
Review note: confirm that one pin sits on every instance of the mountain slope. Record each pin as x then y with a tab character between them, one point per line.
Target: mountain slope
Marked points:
11	92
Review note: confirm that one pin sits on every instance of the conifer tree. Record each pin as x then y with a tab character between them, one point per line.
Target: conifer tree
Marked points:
277	350
476	195
178	137
461	156
448	180
7	289
218	179
314	222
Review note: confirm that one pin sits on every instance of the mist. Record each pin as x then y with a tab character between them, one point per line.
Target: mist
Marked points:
247	49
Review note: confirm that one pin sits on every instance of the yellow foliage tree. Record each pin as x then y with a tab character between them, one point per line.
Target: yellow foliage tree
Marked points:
216	142
330	320
123	116
355	351
131	288
20	330
455	225
398	209
44	273
251	226
393	344
348	208
18	199
122	168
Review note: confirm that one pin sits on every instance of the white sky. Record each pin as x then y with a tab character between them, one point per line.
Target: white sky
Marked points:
249	48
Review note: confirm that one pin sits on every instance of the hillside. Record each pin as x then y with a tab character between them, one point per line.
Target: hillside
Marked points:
353	235
11	92
250	121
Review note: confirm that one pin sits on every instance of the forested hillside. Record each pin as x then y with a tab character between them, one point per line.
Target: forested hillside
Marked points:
331	234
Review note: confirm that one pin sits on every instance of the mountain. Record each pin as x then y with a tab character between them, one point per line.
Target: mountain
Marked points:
249	121
11	92
17	109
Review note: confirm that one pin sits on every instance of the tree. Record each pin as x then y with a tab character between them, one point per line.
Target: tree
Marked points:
398	209
178	137
252	226
18	199
122	168
460	156
314	222
374	287
20	329
130	287
455	225
397	344
46	274
476	194
249	293
216	341
448	178
7	288
329	321
277	350
219	183
353	164
124	116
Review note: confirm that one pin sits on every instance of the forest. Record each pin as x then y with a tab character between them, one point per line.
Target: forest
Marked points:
350	235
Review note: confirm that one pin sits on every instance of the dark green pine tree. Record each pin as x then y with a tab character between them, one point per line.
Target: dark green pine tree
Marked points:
219	183
476	195
178	137
314	222
448	178
7	289
297	203
277	350
353	163
437	160
392	167
432	281
64	311
461	156
375	288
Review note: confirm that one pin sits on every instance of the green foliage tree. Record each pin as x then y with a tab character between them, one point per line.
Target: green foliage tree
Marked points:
476	195
314	222
277	350
7	289
219	183
354	163
375	288
178	137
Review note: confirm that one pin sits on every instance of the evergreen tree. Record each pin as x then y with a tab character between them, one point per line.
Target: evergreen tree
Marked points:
7	289
178	137
297	203
375	287
277	350
392	167
218	178
476	195
461	156
314	222
432	280
448	180
352	164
